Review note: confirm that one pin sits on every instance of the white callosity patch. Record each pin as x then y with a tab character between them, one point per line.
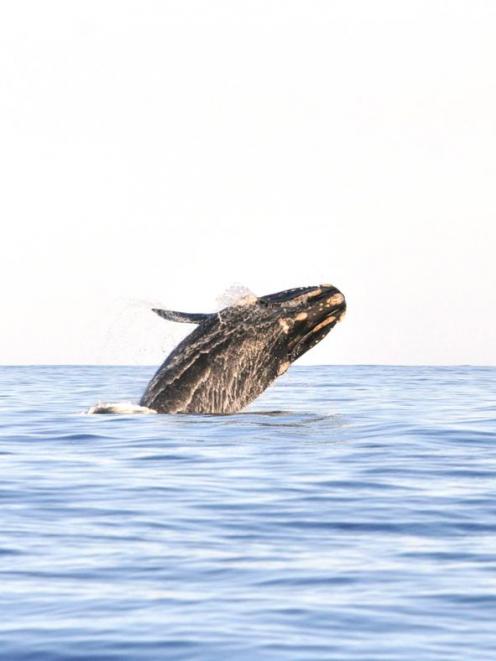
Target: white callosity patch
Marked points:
283	367
337	299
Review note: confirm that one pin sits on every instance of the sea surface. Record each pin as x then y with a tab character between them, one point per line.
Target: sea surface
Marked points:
348	514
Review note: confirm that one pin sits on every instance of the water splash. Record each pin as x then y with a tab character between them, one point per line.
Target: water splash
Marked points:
135	325
235	294
120	408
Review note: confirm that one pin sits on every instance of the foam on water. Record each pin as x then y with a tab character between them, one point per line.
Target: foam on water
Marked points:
120	408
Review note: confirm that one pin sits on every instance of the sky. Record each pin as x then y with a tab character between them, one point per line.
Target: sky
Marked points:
163	152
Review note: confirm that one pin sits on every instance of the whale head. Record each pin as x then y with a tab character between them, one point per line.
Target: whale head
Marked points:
305	315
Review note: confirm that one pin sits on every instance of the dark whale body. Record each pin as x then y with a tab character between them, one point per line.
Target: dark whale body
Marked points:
235	354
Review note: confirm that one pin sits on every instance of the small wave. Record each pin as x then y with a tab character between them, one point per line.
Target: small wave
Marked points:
120	408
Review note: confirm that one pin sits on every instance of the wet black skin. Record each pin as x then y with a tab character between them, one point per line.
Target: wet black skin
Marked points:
233	355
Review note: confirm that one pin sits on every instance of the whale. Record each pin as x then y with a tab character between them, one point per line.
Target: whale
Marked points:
234	354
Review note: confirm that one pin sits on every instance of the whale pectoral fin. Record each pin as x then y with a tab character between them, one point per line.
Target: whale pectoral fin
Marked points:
181	317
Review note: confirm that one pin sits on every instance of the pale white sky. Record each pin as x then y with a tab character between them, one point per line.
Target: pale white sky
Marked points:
162	151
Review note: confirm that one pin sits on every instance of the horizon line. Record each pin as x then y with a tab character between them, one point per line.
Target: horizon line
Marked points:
155	365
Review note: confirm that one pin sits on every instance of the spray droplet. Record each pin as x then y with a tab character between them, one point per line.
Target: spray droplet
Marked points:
236	294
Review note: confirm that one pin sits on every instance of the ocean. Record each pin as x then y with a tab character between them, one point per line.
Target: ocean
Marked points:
348	514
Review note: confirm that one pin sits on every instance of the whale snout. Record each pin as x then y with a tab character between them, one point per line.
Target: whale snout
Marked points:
319	310
327	300
336	303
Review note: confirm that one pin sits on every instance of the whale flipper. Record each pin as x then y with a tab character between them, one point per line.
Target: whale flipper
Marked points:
182	317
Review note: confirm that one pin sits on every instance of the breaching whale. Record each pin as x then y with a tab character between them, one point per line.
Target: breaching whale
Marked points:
233	355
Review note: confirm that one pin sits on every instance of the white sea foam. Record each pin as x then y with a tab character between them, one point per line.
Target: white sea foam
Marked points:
120	408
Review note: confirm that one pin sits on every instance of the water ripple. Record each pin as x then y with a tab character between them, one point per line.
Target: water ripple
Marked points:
348	514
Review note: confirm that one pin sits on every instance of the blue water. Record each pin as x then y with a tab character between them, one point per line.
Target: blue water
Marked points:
350	513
